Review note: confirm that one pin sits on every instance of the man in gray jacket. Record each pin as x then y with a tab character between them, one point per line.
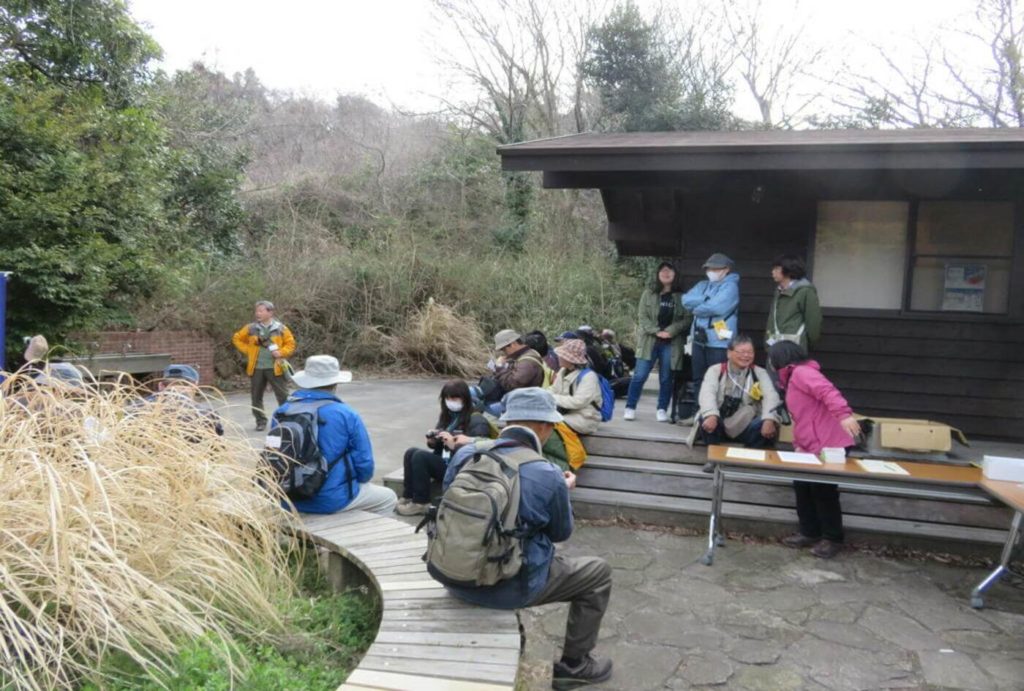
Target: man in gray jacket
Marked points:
738	401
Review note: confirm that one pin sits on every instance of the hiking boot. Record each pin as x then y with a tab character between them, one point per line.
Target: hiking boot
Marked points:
799	541
661	415
412	509
261	425
629	414
592	670
826	549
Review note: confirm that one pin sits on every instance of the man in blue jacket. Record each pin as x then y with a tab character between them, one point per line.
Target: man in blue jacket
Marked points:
545	513
715	304
343	441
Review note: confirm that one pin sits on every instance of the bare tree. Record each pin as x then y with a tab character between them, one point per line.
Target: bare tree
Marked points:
771	60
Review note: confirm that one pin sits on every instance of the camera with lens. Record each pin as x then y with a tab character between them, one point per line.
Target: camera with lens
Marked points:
730	405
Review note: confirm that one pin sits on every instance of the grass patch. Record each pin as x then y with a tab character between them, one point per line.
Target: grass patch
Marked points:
326	636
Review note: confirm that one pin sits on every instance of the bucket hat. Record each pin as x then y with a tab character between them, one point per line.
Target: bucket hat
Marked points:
505	337
532	404
321	370
573	350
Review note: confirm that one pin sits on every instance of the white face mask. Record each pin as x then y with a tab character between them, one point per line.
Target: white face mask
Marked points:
715	276
453	404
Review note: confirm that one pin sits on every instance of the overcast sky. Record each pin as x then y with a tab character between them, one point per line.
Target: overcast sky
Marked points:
385	48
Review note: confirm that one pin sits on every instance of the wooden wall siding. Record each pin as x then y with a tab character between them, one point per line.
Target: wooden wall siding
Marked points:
966	370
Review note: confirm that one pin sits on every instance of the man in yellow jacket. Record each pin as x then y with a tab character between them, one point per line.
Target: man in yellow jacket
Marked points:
265	343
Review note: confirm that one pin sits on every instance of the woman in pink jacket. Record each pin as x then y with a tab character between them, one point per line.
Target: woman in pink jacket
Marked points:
821	418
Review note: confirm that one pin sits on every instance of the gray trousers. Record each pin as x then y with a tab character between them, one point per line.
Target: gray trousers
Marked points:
585	583
259	380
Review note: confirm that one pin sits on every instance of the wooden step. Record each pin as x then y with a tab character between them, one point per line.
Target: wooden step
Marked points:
754	518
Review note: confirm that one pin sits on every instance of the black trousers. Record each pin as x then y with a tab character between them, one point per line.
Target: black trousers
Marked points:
260	379
818	510
420	467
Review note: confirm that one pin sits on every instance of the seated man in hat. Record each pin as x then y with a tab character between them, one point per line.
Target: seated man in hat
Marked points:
518	366
343	441
179	388
738	401
545	516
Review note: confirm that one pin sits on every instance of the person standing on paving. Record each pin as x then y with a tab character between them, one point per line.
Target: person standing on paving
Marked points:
266	344
795	314
545	517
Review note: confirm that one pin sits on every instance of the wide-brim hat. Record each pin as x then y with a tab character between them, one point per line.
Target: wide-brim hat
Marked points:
573	350
532	404
321	370
718	261
505	337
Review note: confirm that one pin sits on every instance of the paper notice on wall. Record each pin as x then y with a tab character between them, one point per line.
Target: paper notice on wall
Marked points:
745	454
795	457
886	467
964	288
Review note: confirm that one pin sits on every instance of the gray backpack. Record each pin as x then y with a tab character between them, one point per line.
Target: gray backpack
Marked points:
474	537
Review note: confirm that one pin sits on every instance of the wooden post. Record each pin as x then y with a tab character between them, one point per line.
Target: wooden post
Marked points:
344	575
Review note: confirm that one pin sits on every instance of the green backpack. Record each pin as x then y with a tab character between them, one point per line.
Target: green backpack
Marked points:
473	537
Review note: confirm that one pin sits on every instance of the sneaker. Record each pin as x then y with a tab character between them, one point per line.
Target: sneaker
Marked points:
826	549
261	425
412	509
661	415
593	670
402	501
799	541
629	414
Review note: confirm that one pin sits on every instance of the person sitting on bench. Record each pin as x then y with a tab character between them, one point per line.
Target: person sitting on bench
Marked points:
738	401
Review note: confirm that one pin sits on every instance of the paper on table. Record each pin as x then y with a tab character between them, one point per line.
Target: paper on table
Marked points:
745	454
794	457
875	466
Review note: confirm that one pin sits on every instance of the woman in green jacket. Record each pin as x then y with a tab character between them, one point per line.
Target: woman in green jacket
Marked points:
659	337
795	314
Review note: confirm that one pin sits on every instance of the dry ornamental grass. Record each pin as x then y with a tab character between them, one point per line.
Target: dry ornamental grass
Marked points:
129	529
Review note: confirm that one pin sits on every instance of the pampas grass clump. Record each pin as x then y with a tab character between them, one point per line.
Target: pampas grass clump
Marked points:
127	530
437	340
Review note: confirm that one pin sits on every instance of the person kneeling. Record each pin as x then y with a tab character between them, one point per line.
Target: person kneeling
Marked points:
738	400
421	466
540	575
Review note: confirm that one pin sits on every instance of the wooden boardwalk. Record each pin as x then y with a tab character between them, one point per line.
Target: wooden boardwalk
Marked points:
427	638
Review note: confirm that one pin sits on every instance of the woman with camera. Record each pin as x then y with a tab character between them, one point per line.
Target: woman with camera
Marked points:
659	338
738	401
421	466
821	419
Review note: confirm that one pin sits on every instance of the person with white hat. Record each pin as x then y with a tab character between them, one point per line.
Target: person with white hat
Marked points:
343	441
545	517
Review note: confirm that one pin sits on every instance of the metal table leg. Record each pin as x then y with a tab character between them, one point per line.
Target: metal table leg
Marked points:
977	601
715	535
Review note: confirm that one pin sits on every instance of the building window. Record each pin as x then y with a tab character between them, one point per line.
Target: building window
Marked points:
860	254
962	256
959	260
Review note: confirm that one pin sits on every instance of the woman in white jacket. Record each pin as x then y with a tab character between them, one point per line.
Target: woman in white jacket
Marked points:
576	388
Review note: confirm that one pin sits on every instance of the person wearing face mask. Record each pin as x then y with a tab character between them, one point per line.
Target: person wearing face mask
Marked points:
714	303
422	466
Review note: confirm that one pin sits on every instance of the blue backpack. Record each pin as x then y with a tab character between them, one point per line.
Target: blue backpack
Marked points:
607	407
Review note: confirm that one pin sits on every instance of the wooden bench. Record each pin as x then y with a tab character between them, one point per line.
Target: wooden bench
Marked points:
427	638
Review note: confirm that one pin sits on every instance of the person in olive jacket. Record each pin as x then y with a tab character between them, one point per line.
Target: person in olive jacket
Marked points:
660	335
795	314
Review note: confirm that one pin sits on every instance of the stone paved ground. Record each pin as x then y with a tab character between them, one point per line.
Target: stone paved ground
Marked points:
763	617
766	617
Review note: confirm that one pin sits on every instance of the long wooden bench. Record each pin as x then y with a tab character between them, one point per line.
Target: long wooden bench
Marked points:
427	639
655	477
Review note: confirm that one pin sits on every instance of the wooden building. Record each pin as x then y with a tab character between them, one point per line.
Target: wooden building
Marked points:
914	239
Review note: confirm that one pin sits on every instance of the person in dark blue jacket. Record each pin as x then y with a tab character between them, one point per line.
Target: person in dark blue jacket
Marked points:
715	304
546	515
343	441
